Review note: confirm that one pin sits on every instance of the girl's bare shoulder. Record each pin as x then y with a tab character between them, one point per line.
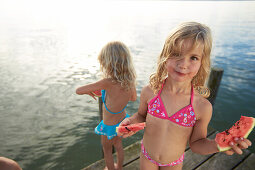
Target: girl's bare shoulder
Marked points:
108	80
147	92
109	83
202	106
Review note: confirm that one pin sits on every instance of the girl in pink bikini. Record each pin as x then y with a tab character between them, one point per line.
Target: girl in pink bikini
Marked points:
172	105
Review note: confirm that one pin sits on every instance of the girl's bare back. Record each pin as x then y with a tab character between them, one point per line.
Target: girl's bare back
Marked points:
116	99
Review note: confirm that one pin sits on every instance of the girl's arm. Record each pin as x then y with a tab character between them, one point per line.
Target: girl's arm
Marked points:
87	89
139	116
198	141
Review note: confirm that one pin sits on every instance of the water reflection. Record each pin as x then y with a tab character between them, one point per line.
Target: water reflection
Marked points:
48	49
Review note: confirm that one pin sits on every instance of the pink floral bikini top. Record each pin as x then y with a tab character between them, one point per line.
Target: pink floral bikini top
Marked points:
184	117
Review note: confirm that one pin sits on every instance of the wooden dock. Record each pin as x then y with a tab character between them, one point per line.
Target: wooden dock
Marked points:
217	161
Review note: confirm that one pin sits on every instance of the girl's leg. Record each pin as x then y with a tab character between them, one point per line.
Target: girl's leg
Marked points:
117	142
175	167
107	148
146	164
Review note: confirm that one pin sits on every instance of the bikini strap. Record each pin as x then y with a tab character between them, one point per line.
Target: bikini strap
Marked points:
161	87
103	95
192	94
114	112
103	92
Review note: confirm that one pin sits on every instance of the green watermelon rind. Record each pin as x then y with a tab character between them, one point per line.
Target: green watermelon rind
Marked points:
136	125
222	149
247	134
97	93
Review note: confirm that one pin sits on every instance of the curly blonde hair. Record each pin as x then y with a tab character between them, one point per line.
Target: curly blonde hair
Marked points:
116	63
197	34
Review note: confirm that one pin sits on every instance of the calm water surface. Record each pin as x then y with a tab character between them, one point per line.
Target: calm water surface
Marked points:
48	49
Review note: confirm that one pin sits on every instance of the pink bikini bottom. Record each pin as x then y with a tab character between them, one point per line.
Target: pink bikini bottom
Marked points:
178	161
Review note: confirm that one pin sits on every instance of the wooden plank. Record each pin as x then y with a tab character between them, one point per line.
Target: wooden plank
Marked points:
96	165
247	164
214	83
189	156
210	131
192	160
133	166
223	161
131	152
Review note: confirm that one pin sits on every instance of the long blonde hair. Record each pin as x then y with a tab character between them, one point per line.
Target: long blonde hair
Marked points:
196	33
116	63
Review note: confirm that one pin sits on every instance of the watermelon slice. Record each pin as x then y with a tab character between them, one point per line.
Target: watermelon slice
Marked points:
242	128
132	127
97	93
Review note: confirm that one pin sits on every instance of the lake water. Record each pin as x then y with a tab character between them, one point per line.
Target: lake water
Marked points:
49	48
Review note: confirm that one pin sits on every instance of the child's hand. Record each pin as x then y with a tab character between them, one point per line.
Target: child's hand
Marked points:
241	143
92	95
125	122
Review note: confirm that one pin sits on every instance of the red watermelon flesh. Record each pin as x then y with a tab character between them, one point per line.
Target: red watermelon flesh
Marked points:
97	93
132	127
242	128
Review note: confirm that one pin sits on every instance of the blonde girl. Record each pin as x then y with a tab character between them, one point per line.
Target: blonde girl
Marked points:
172	105
118	88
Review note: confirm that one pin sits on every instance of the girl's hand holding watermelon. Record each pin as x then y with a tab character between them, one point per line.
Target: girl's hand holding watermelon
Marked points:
85	90
126	128
125	122
92	95
240	143
95	94
233	140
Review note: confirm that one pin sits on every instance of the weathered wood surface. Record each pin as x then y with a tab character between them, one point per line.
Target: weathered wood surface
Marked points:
218	161
131	153
222	161
193	160
214	83
247	164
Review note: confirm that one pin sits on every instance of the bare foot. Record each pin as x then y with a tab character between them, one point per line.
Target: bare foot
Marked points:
115	167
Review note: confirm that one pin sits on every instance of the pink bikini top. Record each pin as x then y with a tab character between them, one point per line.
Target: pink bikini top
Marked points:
184	117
